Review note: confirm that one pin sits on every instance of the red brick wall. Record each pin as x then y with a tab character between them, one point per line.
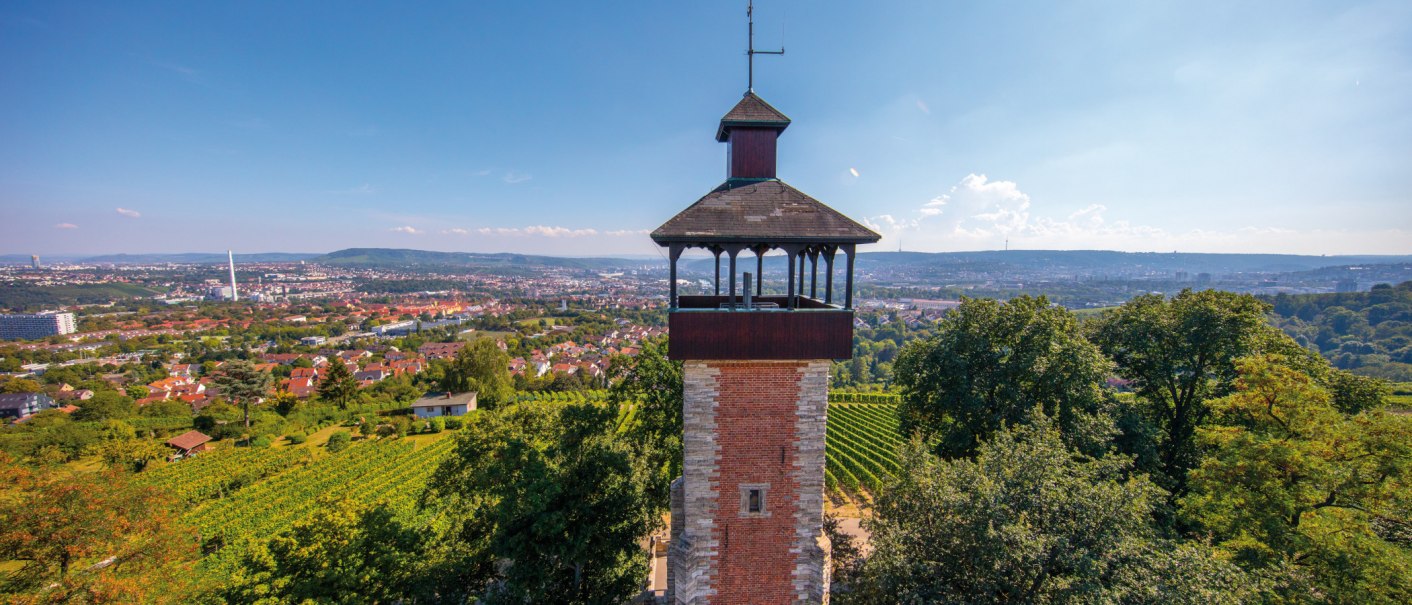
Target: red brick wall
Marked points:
756	417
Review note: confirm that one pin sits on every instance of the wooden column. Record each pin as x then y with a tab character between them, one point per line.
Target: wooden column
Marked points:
732	252
760	270
828	279
801	271
814	274
674	252
848	287
789	292
717	252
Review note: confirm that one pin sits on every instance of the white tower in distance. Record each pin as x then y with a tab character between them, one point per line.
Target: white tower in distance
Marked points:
234	295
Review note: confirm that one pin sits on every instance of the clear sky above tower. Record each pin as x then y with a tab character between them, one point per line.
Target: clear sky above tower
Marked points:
572	128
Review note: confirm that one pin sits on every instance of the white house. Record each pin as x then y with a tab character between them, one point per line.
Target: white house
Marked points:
444	404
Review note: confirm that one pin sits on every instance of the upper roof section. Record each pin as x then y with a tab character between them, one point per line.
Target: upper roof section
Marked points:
760	212
751	111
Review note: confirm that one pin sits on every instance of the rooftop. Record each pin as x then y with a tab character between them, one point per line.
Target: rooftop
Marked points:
760	211
751	111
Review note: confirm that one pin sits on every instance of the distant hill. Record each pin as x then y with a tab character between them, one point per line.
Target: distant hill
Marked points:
393	257
1367	332
1080	262
195	258
1107	260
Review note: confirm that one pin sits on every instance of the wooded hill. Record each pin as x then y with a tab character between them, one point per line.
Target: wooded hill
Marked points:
1369	333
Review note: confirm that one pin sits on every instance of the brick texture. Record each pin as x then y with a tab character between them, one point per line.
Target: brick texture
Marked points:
751	424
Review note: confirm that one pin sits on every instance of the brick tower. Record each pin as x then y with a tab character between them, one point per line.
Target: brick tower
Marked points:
747	513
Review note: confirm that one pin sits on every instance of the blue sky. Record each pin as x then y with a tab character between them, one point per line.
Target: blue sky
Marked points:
574	128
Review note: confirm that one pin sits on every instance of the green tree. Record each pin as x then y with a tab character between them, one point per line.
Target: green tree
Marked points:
104	405
20	385
482	367
990	363
241	383
339	441
76	538
545	505
1029	521
1292	481
344	553
133	455
651	384
338	385
1179	353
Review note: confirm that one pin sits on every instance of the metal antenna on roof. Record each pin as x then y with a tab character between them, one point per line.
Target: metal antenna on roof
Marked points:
750	51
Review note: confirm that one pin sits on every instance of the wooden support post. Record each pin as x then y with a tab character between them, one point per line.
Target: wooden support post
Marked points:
814	274
848	287
675	253
760	270
789	293
801	272
732	252
828	279
717	252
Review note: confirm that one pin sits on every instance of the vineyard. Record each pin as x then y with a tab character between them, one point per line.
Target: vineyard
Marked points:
238	496
861	447
563	396
244	495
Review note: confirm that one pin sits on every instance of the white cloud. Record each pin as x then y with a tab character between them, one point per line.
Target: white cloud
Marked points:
364	189
922	105
558	232
408	229
66	226
979	214
455	231
129	213
514	177
854	172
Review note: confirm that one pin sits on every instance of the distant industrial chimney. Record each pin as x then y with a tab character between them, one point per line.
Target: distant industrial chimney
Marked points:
234	295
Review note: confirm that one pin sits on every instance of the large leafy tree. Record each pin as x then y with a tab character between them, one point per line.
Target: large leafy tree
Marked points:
338	385
651	384
345	553
990	363
81	540
241	383
1029	521
1179	353
1291	481
482	367
545	505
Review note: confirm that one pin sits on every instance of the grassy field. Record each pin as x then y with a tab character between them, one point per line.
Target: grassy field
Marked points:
1401	396
478	334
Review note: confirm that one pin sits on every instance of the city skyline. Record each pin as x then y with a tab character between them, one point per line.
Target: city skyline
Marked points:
569	129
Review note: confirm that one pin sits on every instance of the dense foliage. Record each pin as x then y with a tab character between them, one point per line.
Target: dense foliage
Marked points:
545	504
1029	521
1369	333
990	363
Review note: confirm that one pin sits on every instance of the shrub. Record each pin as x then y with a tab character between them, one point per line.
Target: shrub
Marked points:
296	438
339	441
262	441
436	424
454	423
401	425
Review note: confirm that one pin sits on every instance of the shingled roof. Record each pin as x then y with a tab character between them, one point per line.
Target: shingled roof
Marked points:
751	111
764	211
188	440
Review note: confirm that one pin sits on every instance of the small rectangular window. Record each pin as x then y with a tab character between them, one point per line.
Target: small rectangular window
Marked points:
753	498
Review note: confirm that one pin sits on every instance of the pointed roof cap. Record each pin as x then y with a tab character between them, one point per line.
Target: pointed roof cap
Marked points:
751	111
761	212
